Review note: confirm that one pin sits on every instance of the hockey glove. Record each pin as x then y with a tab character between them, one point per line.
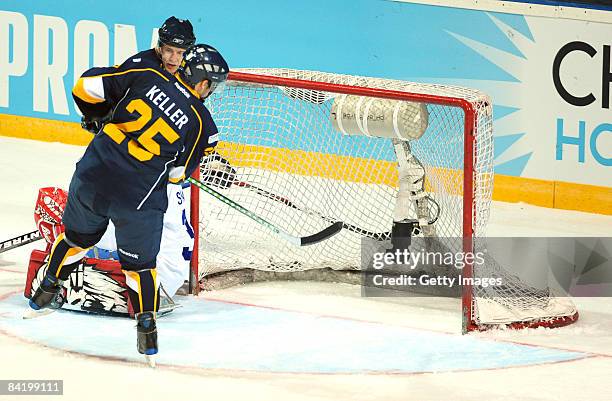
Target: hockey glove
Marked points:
92	124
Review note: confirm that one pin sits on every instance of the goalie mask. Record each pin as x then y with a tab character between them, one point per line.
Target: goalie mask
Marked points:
48	212
203	62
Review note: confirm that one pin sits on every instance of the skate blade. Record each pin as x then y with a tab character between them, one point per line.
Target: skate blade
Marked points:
30	313
167	309
150	360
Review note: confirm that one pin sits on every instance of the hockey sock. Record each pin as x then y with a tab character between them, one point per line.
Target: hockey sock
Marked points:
64	257
143	290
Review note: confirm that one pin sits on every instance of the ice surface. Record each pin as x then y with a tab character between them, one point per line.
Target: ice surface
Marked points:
313	326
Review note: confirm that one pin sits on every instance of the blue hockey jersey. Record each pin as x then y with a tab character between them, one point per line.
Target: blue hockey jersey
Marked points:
158	132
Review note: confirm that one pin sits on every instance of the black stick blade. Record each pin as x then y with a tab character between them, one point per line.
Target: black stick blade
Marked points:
322	235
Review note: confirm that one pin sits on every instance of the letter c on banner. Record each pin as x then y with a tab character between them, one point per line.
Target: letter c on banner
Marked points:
564	51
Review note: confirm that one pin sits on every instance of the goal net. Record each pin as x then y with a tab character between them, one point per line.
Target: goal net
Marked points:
304	149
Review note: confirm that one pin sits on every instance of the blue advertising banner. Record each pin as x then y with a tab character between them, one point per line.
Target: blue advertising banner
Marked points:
549	78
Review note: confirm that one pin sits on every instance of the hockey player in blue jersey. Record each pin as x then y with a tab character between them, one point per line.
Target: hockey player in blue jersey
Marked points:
157	134
174	37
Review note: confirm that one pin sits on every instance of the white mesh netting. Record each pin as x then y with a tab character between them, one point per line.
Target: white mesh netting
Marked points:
295	168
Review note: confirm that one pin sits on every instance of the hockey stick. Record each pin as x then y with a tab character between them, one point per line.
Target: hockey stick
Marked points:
283	200
19	241
299	241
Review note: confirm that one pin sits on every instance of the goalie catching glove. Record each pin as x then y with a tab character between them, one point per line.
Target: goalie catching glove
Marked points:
48	213
216	171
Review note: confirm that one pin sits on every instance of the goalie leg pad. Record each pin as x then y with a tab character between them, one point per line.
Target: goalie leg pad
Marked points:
95	286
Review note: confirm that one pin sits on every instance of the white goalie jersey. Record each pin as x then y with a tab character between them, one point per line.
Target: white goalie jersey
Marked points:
176	243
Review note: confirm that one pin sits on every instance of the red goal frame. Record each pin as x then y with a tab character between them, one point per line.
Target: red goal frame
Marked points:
469	163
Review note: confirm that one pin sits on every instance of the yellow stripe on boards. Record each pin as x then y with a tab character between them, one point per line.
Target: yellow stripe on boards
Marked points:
39	129
552	194
305	163
335	167
528	190
587	198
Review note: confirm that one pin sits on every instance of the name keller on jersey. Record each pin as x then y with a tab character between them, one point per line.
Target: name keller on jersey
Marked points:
159	98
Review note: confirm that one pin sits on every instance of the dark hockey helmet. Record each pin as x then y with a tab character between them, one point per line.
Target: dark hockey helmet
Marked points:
176	32
202	62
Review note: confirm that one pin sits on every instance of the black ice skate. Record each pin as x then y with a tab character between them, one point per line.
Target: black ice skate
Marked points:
48	298
147	336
